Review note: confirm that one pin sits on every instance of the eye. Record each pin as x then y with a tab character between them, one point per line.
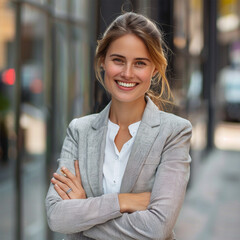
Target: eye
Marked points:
117	60
140	64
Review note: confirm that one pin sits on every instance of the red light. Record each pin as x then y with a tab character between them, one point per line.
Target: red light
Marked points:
8	76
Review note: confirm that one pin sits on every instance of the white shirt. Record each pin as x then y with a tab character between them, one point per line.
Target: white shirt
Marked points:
115	162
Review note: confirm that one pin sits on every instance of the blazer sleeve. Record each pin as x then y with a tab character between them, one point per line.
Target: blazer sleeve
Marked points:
77	215
167	196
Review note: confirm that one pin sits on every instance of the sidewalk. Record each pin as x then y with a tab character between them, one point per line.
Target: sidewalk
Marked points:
211	210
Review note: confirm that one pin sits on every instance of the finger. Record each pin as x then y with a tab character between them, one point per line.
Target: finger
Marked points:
71	176
63	173
60	192
77	170
67	190
63	186
67	181
68	173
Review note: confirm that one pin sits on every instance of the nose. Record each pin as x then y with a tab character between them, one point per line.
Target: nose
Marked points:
127	72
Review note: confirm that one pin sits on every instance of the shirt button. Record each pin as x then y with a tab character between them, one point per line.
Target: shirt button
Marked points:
114	181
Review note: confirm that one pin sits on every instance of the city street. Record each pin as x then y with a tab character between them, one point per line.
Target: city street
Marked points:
212	204
33	204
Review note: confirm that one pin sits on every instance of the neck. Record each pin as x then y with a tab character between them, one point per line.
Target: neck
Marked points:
124	114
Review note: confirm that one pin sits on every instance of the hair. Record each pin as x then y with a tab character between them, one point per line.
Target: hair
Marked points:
148	32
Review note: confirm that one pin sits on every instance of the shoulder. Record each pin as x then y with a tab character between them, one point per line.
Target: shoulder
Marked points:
153	117
173	121
176	130
172	126
175	133
82	123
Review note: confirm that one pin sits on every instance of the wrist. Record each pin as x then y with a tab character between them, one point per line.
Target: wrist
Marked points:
122	202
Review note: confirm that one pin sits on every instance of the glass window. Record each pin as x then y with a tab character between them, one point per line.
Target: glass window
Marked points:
80	63
33	122
79	9
180	24
62	86
188	66
61	7
228	76
39	1
60	82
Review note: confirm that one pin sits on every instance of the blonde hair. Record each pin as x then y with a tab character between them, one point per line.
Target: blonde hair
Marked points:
148	32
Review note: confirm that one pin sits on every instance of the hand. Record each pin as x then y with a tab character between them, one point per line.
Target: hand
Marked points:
131	202
69	186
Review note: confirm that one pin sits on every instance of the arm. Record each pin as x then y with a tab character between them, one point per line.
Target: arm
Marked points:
76	215
167	197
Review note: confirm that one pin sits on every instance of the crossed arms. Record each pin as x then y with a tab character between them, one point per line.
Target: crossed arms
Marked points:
115	214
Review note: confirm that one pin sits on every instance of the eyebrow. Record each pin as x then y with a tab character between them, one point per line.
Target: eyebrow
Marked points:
118	55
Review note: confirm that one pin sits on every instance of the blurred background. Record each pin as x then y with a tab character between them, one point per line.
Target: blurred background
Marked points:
46	79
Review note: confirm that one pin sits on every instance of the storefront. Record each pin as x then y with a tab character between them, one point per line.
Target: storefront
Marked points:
46	80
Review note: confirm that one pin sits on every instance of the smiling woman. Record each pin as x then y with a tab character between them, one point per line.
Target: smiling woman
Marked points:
123	172
149	36
128	69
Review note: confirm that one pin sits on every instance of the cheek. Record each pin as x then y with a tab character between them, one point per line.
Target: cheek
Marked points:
112	70
146	76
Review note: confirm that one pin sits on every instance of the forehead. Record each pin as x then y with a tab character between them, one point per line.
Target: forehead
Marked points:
129	45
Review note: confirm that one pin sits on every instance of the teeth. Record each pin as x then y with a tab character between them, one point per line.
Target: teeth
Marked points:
126	84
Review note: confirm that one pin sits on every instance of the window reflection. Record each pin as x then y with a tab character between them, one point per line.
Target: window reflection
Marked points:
79	88
188	67
180	22
61	69
228	78
61	7
32	121
78	9
196	27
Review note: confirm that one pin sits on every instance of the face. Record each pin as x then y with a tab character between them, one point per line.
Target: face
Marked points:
128	69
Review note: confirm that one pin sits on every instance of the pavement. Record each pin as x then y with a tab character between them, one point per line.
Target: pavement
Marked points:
34	192
211	210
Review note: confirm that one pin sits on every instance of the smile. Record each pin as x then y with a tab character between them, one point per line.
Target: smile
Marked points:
124	84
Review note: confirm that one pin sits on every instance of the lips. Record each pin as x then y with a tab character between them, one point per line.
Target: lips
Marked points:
126	85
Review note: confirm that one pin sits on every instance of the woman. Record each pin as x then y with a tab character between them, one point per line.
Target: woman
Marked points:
132	159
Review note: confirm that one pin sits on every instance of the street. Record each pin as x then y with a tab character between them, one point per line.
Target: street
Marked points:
212	204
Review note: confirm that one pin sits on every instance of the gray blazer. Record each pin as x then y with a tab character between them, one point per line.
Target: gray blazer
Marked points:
159	162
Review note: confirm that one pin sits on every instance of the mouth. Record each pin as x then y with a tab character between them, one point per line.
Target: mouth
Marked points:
126	84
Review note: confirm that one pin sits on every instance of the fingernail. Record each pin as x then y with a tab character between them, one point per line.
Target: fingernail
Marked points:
63	173
63	168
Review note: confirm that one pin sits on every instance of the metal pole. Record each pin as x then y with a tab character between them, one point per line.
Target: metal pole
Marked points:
210	11
48	56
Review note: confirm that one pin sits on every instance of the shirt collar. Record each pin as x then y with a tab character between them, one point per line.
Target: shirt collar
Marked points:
132	127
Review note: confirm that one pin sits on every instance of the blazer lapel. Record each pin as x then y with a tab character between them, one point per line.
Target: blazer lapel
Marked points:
95	151
146	135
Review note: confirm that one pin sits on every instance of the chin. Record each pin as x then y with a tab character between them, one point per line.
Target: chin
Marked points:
128	99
